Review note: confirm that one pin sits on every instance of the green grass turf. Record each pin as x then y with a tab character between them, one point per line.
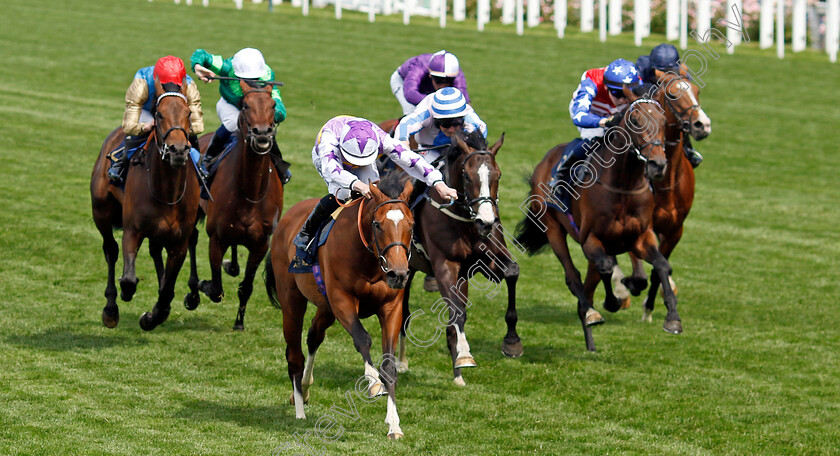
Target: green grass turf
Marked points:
756	371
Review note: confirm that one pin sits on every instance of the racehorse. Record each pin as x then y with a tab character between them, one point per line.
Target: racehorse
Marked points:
462	239
673	195
247	196
160	202
611	214
364	266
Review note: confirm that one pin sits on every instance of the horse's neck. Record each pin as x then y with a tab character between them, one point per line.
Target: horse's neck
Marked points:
252	170
621	170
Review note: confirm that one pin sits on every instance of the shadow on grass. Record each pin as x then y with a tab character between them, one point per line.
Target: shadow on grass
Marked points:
278	419
63	339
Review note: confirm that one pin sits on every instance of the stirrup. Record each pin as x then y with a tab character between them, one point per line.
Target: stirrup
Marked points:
694	157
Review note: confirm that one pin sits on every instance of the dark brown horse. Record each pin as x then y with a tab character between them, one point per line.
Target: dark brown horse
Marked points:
463	239
674	194
247	197
160	202
612	211
365	269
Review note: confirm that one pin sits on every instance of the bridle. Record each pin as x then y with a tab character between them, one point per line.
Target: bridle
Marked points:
251	137
464	200
684	123
636	148
164	149
377	250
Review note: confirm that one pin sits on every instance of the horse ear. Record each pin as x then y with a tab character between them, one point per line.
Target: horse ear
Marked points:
659	74
498	145
407	189
628	92
461	143
683	70
377	194
158	86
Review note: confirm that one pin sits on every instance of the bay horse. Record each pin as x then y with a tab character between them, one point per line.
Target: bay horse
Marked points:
365	270
462	239
247	197
673	196
611	212
160	202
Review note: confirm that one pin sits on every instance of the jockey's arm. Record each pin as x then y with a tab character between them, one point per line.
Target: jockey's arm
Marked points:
461	84
135	97
194	102
212	62
581	105
411	84
279	107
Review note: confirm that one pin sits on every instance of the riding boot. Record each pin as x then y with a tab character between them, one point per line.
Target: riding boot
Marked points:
322	210
117	170
576	151
281	165
217	144
691	154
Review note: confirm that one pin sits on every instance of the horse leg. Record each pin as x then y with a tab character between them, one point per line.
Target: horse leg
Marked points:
344	308
193	299
175	257
511	344
402	365
294	309
637	282
621	292
603	266
213	288
111	312
646	248
323	319
128	282
246	287
454	289
390	319
665	247
156	252
587	314
231	266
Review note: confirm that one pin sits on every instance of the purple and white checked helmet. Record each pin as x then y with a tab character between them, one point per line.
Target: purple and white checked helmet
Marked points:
444	65
359	142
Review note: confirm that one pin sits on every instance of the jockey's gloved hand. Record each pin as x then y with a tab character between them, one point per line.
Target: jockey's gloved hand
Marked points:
362	188
613	120
445	191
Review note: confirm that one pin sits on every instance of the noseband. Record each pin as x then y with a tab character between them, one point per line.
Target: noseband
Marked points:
376	250
250	137
684	124
464	199
639	149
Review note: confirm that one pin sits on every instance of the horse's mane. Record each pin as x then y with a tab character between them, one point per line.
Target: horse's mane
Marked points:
393	183
474	139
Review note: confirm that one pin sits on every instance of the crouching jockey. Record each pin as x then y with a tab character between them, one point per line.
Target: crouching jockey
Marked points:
436	120
424	74
665	57
140	99
594	107
248	63
344	155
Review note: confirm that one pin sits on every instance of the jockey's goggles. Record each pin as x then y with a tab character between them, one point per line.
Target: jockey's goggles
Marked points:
440	80
618	93
450	122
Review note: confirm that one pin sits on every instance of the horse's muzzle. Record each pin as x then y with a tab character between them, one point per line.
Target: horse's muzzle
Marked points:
484	229
177	156
396	279
655	170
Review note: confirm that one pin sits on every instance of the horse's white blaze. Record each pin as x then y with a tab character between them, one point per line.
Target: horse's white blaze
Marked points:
485	209
395	216
391	417
462	345
703	118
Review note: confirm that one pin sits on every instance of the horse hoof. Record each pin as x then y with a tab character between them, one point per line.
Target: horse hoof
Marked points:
459	380
206	287
593	318
635	285
513	350
465	361
612	305
146	323
231	268
402	367
395	436
672	326
378	389
127	290
625	303
110	319
430	284
192	300
239	327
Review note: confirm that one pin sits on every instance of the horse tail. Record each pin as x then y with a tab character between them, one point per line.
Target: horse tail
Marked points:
529	234
270	285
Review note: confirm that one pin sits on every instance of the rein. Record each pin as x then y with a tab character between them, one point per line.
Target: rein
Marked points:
163	149
379	252
464	198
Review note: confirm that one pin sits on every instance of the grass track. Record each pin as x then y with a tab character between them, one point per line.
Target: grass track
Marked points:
756	372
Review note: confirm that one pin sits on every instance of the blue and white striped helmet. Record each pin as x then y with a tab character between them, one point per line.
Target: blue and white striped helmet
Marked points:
621	72
448	102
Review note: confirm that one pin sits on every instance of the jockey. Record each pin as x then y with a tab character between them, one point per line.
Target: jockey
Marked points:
426	73
436	119
140	99
248	63
665	57
345	153
595	103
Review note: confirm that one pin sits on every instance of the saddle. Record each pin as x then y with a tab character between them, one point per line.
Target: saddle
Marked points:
306	261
